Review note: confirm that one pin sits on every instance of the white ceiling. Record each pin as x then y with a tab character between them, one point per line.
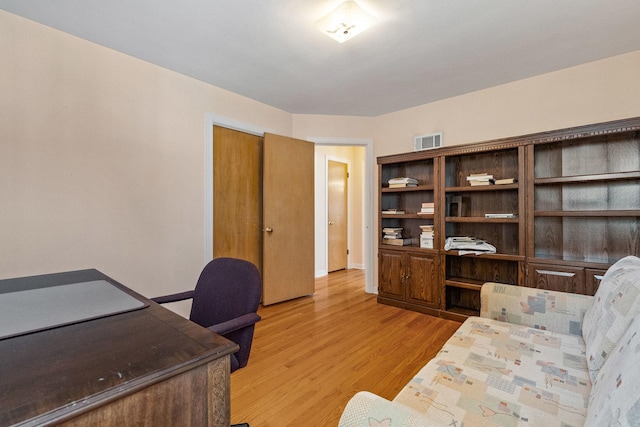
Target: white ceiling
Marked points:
418	52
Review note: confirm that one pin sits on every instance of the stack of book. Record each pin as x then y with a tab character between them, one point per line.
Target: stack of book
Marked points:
480	179
393	236
427	208
402	182
426	236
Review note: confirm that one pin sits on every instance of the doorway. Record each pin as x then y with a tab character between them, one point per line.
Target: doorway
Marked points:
367	165
258	215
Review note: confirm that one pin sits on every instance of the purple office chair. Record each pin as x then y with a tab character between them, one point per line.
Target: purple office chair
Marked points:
225	301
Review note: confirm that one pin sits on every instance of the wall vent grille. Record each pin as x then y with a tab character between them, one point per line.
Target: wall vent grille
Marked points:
427	142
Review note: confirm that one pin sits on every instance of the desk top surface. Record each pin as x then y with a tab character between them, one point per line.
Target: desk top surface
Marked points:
54	374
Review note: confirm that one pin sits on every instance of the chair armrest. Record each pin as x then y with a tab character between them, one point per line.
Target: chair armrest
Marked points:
235	324
173	297
364	409
560	312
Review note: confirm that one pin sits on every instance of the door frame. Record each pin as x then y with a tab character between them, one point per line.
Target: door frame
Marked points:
326	206
212	119
368	250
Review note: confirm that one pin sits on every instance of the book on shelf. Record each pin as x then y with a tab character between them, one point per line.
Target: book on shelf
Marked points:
426	236
392	211
503	181
403	180
427	208
480	179
392	236
402	185
392	230
500	215
398	242
476	183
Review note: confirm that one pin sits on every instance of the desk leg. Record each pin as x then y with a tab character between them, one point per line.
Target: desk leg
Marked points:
219	392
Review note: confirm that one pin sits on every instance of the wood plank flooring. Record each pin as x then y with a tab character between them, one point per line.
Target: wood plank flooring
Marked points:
310	355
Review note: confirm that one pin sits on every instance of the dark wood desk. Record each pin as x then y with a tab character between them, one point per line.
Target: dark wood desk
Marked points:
146	367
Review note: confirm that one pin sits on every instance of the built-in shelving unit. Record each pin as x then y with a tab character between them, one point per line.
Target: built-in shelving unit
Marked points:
572	210
586	208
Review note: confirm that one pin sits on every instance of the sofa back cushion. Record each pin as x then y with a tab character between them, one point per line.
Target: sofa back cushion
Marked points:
614	398
615	304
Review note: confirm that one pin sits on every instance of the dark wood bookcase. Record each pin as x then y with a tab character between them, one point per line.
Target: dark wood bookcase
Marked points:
585	197
575	204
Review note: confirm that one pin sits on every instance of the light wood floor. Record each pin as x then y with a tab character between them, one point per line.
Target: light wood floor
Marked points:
310	355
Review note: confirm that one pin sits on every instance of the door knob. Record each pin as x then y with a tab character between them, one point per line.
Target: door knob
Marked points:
330	222
268	230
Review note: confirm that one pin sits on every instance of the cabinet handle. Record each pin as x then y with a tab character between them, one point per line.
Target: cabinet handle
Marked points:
269	230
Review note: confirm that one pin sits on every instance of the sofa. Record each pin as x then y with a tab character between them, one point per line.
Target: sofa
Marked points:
533	358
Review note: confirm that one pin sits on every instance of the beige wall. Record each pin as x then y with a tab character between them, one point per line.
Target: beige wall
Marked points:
102	155
595	92
102	160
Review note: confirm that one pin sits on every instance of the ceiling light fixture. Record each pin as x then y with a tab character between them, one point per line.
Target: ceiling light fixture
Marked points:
346	21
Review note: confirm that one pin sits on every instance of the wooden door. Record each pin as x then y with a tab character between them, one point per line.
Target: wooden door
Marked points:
288	219
337	201
237	195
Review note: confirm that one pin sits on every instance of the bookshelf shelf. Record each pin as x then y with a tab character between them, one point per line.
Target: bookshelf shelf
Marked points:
407	189
587	214
479	188
606	177
482	219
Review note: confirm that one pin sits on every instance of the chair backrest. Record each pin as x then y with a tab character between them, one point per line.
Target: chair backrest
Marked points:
228	288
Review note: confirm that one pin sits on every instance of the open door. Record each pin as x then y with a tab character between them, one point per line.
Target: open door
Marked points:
288	219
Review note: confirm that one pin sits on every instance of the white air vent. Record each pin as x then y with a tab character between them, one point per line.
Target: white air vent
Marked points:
427	142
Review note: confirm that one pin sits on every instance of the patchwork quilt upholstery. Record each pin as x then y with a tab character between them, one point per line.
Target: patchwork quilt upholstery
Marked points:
524	362
614	307
492	373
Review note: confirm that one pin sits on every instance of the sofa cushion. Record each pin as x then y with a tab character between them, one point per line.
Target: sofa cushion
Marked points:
554	311
614	397
613	307
492	373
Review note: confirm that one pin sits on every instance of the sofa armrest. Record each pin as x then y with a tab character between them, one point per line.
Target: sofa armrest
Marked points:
367	409
560	312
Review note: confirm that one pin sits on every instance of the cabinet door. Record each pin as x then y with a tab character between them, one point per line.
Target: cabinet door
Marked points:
421	279
557	278
390	281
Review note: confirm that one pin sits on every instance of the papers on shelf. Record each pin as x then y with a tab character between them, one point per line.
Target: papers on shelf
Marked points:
468	245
